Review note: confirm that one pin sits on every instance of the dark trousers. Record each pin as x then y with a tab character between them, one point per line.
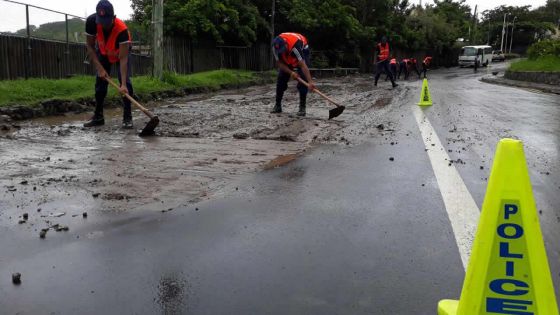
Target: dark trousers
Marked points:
101	87
383	66
393	68
415	67
284	78
403	68
424	69
476	64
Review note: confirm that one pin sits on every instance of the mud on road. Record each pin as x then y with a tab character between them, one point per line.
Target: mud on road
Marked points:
54	170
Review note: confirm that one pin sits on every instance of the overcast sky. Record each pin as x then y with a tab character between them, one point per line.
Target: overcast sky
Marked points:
13	15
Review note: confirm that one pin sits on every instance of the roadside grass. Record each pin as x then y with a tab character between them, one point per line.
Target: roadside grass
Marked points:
32	91
545	64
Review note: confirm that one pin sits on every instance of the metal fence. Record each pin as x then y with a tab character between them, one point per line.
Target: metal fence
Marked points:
23	57
37	42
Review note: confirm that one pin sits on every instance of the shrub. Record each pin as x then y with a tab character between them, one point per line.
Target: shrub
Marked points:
549	47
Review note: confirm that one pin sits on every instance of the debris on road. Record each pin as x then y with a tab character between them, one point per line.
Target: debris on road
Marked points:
16	278
241	135
54	215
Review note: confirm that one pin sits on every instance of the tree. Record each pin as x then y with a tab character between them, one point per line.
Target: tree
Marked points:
529	27
233	22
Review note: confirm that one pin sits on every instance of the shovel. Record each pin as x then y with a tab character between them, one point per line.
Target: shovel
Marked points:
154	120
335	112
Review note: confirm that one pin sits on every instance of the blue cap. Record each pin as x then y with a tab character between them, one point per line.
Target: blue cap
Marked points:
105	13
279	45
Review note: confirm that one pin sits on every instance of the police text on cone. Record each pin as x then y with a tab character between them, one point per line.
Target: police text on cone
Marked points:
508	271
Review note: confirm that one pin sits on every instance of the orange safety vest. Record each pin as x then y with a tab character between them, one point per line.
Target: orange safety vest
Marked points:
405	61
393	61
291	40
108	47
427	61
383	51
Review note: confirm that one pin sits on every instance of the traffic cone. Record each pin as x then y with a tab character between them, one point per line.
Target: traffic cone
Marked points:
508	271
425	97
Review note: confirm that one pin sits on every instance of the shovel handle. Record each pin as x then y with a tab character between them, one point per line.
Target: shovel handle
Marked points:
142	108
318	92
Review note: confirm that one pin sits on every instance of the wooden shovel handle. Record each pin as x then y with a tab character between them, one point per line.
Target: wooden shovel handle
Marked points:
142	108
318	92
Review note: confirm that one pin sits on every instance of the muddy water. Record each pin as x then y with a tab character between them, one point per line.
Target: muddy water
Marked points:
55	170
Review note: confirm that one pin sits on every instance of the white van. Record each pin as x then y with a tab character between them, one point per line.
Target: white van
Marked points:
468	55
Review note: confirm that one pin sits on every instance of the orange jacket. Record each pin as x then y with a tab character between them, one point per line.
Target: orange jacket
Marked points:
393	61
291	40
427	61
383	51
108	47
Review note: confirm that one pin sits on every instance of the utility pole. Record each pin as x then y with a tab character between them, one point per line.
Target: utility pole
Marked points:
157	42
28	55
272	31
474	24
506	38
503	32
272	15
512	28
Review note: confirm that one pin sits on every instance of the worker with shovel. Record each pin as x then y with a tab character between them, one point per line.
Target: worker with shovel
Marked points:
108	43
426	65
291	52
383	54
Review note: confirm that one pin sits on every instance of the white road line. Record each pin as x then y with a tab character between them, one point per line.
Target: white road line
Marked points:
460	205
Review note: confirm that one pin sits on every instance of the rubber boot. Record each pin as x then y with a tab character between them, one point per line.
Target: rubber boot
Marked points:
277	109
302	105
127	114
97	119
278	106
127	123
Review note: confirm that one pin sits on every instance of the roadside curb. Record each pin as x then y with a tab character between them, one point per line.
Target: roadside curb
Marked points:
547	88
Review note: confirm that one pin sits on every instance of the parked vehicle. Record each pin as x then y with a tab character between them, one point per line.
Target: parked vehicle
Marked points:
498	55
469	53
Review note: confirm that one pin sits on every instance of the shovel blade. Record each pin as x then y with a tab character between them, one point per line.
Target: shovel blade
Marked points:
335	112
149	130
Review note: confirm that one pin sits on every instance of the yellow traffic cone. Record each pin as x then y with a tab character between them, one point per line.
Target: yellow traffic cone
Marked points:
425	97
508	271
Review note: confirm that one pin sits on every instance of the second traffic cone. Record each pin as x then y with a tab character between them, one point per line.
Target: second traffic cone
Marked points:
425	97
508	270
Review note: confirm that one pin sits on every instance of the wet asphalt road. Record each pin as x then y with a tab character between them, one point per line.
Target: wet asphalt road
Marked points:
343	230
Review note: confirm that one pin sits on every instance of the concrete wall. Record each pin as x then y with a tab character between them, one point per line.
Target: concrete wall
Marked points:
552	78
